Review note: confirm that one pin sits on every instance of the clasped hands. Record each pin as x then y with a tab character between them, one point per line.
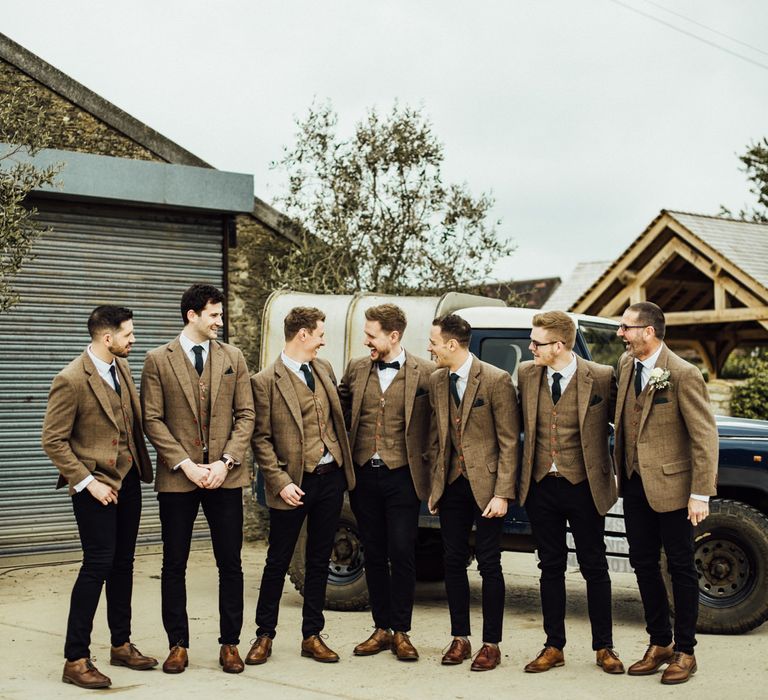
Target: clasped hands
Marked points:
206	476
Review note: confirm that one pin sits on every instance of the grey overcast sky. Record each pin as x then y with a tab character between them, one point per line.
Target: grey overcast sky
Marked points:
582	117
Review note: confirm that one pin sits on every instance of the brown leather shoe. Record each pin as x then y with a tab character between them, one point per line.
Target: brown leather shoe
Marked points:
379	641
680	669
315	648
549	657
229	659
128	655
654	657
260	651
177	660
488	658
609	660
403	649
459	650
83	673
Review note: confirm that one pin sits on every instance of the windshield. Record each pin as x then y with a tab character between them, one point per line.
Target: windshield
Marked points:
604	345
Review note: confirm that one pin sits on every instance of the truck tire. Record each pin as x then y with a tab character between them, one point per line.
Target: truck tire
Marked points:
731	554
347	589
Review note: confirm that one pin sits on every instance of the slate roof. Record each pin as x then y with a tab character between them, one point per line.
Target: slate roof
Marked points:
583	276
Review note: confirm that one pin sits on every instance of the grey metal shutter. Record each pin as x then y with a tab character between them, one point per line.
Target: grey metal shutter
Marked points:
132	258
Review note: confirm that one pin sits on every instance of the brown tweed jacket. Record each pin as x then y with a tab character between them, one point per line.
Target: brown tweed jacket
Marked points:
171	413
596	399
80	433
677	445
278	438
418	412
490	426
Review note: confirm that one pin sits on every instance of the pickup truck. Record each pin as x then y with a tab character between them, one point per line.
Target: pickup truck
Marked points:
731	544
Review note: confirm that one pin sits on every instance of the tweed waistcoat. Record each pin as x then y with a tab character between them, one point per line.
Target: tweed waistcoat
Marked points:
382	422
317	423
558	435
126	448
457	467
630	423
201	385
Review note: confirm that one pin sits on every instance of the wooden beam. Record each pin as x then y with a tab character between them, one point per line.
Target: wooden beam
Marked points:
688	318
720	300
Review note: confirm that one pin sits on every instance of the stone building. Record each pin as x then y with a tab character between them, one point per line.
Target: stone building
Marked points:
134	219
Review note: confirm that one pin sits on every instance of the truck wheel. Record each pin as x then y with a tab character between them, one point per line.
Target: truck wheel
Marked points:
346	588
731	554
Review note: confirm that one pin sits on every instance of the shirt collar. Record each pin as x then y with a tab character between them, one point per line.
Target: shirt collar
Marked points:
400	358
650	362
567	372
463	371
188	344
101	367
290	363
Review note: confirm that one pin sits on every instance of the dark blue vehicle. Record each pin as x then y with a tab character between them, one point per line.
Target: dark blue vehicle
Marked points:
731	544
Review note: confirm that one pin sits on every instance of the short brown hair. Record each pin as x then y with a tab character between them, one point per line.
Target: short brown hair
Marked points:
453	326
559	324
649	314
301	317
390	317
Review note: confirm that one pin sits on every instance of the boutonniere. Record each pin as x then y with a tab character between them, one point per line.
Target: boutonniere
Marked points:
659	379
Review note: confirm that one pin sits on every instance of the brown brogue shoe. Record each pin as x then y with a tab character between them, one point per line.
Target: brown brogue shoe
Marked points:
84	674
680	669
260	651
653	658
488	658
128	655
315	648
458	651
380	640
177	660
229	659
402	647
609	660
549	657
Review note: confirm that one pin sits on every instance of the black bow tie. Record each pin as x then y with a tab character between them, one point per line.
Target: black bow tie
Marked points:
388	365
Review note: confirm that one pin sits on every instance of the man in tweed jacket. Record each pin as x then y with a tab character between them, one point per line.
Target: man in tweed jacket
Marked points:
198	413
666	450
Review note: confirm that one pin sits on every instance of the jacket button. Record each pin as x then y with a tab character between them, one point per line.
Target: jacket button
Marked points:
197	443
111	462
114	442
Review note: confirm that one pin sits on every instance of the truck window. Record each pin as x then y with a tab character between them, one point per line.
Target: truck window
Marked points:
505	353
604	345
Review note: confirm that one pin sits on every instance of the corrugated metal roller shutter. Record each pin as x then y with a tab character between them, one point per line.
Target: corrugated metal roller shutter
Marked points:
108	256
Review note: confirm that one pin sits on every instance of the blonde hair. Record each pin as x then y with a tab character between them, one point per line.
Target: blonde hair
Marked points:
558	323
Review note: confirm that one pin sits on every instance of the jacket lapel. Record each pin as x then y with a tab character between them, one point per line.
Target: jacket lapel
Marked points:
127	383
179	366
583	390
98	386
473	382
285	387
411	384
661	361
359	382
533	380
621	393
442	409
217	369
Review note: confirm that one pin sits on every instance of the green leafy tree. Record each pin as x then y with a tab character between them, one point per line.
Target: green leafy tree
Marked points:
22	133
371	212
750	399
755	165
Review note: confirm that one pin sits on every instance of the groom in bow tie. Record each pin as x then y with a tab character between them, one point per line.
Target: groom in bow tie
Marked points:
385	396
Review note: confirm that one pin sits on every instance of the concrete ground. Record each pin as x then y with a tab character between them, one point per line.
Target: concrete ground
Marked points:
34	600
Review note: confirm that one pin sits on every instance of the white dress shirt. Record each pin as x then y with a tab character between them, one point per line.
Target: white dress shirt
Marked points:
187	345
463	372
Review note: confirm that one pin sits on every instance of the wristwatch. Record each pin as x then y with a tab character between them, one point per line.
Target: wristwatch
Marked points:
229	462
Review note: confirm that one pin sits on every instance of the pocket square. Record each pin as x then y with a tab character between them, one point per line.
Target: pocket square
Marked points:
660	399
229	371
595	400
478	403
